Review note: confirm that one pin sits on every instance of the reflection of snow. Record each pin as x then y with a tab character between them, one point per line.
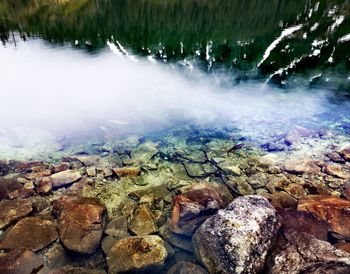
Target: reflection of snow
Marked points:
285	33
337	22
345	38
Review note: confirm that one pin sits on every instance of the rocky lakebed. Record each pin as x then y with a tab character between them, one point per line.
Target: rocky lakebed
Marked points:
213	203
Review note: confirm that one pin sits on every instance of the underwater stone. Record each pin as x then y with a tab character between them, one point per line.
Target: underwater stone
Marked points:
302	167
345	152
127	171
91	171
238	238
65	177
331	209
297	252
133	254
142	222
281	199
144	153
336	170
232	170
187	268
33	233
11	211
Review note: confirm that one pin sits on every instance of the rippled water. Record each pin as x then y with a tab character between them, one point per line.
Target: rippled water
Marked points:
92	69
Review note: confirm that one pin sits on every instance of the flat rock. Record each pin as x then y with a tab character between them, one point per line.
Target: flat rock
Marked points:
187	268
296	253
89	160
192	208
302	167
144	153
127	171
81	223
33	233
133	254
302	221
65	177
238	238
336	170
345	152
12	211
142	222
21	261
331	209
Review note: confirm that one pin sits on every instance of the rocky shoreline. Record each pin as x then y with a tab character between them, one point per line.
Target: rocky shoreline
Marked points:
199	205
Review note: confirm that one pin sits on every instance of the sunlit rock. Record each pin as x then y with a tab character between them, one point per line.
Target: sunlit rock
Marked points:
336	170
331	209
33	233
238	238
132	254
345	152
65	177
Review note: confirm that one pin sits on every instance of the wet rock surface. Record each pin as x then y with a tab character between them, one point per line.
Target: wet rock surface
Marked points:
11	211
237	239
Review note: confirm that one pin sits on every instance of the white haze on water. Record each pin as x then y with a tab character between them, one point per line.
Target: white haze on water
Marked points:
61	89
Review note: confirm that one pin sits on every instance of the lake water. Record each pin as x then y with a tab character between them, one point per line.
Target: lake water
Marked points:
117	68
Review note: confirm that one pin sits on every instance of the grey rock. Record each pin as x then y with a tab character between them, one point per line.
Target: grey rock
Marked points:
238	238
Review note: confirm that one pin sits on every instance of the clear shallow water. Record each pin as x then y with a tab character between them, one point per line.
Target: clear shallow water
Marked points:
83	70
51	93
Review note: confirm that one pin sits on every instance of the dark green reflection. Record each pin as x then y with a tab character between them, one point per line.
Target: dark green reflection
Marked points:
233	34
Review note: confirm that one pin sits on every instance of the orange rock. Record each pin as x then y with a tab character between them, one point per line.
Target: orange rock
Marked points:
335	211
343	246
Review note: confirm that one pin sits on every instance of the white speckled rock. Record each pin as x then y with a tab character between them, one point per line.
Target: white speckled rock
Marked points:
237	239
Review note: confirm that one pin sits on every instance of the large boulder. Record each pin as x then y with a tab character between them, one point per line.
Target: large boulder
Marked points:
65	177
133	254
331	209
11	211
297	252
21	261
33	233
238	238
192	208
81	223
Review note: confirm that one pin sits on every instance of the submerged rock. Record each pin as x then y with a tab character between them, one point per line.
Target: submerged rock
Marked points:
192	208
302	221
187	268
142	223
302	167
33	233
237	239
81	223
65	177
21	261
336	170
331	209
133	254
299	253
11	211
345	152
127	171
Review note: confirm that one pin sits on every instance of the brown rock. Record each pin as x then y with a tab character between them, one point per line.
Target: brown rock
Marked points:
335	157
142	223
127	171
296	190
281	199
133	254
303	253
11	188
336	170
346	190
57	256
21	261
192	208
65	177
187	268
180	241
12	211
39	174
33	233
302	167
331	209
302	221
61	167
28	167
81	223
